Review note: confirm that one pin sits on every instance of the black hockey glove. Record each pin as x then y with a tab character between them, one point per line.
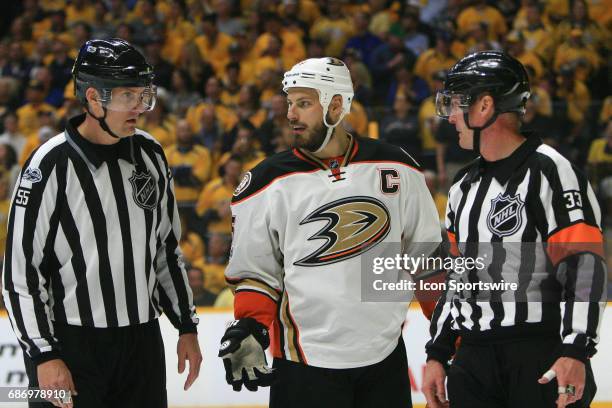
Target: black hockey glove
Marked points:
242	350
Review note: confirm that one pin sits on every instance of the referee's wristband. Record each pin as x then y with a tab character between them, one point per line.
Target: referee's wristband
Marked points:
46	356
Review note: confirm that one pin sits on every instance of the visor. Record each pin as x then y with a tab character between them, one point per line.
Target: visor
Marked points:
127	100
448	103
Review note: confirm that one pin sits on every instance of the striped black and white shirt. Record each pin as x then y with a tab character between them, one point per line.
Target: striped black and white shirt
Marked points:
534	221
93	241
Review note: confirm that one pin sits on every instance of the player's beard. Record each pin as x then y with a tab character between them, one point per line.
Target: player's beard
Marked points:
311	140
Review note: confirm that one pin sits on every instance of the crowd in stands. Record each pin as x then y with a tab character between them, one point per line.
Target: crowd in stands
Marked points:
220	109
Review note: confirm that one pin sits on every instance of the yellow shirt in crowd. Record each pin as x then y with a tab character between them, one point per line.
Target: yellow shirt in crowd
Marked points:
198	158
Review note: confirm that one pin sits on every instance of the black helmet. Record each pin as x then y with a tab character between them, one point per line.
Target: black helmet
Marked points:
107	64
495	72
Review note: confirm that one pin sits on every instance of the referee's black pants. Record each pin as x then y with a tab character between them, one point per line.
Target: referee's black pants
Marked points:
505	375
115	367
385	384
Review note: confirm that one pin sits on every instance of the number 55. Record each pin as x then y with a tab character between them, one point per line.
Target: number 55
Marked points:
22	197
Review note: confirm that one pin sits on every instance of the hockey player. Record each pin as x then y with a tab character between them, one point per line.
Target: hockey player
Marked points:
302	218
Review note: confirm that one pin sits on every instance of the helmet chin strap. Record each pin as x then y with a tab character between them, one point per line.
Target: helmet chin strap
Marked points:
477	129
102	122
330	131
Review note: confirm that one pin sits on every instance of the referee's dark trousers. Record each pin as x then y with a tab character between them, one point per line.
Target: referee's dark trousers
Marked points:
505	375
112	367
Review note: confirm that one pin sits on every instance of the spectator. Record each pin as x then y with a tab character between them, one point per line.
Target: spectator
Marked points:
244	146
211	132
226	22
538	38
532	121
60	65
515	46
147	26
231	85
385	60
478	40
406	82
408	28
82	31
9	168
479	12
594	35
191	242
382	17
270	59
571	102
273	125
304	11
237	57
162	68
226	116
199	70
17	65
364	42
575	53
435	59
334	26
11	135
213	45
28	113
182	95
80	11
291	49
197	282
214	200
8	93
249	106
157	124
178	31
215	261
190	165
45	130
401	127
54	96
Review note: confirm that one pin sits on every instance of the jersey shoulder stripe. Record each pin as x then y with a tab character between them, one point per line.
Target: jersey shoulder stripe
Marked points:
277	166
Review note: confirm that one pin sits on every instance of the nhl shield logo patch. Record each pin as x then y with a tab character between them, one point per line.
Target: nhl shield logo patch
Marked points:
144	190
505	217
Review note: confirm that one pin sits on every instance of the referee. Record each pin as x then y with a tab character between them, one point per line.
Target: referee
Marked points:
534	219
92	258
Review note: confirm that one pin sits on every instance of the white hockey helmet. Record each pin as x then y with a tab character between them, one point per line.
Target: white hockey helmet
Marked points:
328	76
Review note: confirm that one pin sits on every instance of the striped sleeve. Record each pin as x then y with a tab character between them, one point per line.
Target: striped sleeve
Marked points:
175	294
25	278
575	247
255	268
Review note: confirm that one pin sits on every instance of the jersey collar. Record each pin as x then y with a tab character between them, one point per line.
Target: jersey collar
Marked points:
95	154
503	169
348	156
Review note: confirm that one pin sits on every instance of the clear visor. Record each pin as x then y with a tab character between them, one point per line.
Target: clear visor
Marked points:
448	103
130	99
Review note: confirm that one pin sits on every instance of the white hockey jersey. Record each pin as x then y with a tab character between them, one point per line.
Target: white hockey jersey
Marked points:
299	226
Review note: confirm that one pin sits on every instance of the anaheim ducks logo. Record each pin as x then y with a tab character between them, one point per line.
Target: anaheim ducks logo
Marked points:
354	225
